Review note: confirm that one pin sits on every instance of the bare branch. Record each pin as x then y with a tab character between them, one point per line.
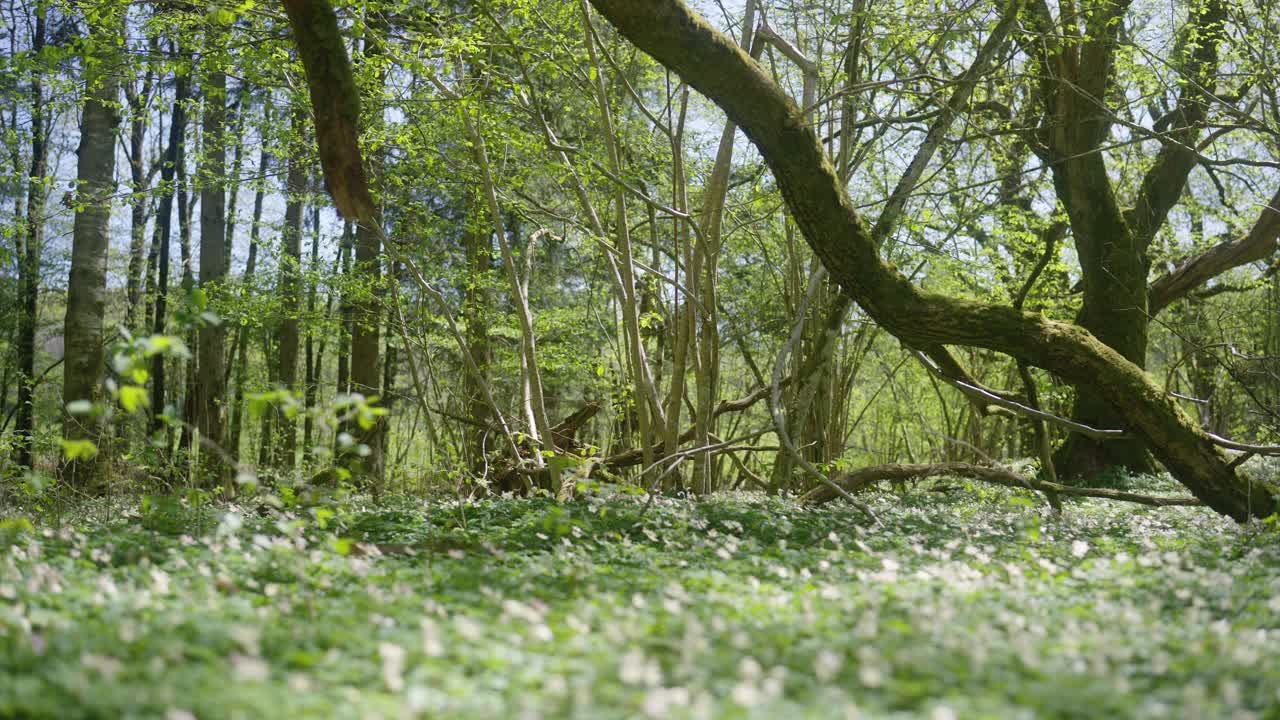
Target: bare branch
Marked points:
1259	244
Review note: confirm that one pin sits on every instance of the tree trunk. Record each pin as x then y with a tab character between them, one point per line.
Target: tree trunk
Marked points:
310	385
365	338
290	299
185	210
87	284
1114	269
477	308
251	263
344	311
174	156
29	258
1076	79
138	111
211	389
390	365
541	430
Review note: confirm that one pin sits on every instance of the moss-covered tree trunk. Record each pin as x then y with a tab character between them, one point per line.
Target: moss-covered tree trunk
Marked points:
477	307
1114	267
1076	54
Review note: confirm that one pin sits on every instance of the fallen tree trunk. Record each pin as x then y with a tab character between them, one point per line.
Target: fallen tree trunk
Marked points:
509	475
868	476
713	64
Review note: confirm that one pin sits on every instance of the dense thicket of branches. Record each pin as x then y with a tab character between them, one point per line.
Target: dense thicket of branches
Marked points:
508	245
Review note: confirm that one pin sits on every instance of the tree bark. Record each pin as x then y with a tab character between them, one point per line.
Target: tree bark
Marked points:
477	304
309	368
186	209
138	181
210	388
290	299
366	331
87	284
29	257
1112	243
345	251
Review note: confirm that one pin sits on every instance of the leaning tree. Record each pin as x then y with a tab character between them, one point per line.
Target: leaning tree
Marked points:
681	40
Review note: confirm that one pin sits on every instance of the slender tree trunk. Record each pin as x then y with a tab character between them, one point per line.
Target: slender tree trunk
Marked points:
707	379
238	111
477	309
87	285
343	385
391	362
309	353
268	450
528	344
138	110
682	304
317	369
175	156
19	212
291	301
210	388
365	339
29	257
251	266
185	211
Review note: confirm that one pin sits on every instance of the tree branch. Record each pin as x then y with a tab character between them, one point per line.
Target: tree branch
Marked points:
1165	180
1259	244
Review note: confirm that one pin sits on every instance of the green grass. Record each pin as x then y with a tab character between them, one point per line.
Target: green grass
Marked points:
970	604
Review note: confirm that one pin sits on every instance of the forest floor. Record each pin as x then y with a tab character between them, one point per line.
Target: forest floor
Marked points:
968	603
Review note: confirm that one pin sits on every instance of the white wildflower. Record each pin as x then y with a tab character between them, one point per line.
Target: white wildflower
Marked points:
1079	548
392	666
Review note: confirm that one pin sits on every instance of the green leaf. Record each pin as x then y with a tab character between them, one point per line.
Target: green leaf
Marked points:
342	546
323	516
133	397
198	298
78	449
